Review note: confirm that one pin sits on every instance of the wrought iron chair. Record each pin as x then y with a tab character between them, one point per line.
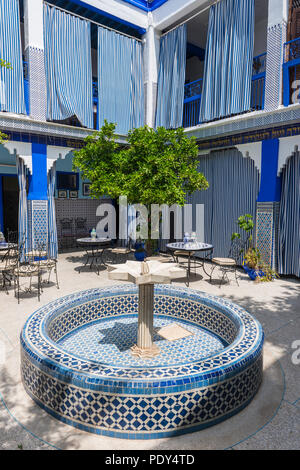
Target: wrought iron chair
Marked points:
49	263
8	265
12	237
30	269
122	252
66	238
231	263
81	230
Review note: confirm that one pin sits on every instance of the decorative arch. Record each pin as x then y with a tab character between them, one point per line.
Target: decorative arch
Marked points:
54	153
288	146
22	150
252	150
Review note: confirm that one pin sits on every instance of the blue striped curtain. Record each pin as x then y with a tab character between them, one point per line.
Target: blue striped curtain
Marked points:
120	81
52	229
289	219
12	97
171	78
233	191
228	60
23	213
68	65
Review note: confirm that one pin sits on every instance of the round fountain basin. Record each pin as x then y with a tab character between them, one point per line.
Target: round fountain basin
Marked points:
76	362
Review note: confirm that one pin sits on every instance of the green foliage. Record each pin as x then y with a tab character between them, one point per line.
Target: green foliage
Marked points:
157	167
5	64
252	256
3	138
245	222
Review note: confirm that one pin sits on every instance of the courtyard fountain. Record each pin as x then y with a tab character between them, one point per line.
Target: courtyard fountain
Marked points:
145	275
142	360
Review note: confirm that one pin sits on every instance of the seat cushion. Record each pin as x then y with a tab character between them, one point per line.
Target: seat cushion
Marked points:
224	261
183	253
120	250
36	254
27	270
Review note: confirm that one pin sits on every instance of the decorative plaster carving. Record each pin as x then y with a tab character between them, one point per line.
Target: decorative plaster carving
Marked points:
54	153
252	150
22	150
287	146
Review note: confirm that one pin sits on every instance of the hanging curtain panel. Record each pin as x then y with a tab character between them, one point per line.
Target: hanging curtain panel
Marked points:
23	214
289	219
120	81
233	191
12	79
52	229
228	60
171	78
68	65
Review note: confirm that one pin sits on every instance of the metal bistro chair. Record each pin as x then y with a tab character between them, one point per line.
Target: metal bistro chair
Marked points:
81	230
66	233
31	269
122	252
8	265
231	263
12	237
48	263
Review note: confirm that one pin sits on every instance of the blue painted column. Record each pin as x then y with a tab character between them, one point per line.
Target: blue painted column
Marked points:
267	210
37	197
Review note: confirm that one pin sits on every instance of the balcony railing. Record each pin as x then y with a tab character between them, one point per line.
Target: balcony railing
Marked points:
192	100
291	72
26	85
258	82
292	50
193	93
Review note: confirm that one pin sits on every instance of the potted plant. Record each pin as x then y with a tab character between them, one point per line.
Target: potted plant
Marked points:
253	264
140	252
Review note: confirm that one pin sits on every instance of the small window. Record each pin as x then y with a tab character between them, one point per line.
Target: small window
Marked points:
67	181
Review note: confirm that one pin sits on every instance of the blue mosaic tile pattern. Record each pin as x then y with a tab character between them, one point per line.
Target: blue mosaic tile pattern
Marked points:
109	342
267	220
141	402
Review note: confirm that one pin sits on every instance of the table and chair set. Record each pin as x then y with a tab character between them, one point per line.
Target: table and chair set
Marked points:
18	263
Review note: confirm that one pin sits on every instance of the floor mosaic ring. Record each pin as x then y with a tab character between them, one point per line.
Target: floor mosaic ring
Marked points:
75	364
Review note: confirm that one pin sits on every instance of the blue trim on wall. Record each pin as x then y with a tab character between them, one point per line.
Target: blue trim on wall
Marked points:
270	186
145	5
38	184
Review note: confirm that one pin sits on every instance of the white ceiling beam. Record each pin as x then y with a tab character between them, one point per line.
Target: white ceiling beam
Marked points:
121	10
174	11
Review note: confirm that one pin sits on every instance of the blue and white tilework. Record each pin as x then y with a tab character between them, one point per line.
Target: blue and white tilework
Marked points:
37	223
115	395
267	220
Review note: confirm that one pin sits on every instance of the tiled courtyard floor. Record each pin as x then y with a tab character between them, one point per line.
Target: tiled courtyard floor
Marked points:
271	421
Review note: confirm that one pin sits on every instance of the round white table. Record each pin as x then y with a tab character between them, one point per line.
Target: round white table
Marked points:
94	248
190	249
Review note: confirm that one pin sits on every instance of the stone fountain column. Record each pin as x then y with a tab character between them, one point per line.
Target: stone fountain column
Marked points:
145	275
145	346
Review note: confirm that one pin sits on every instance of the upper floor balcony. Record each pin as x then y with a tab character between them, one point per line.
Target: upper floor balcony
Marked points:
193	93
291	72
